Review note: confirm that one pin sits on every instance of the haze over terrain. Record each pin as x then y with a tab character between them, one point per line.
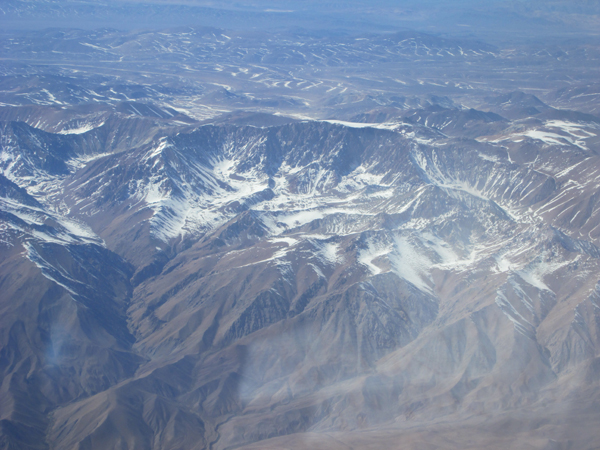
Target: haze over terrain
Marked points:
325	225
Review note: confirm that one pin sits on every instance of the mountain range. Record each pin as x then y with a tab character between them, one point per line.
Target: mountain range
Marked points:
223	259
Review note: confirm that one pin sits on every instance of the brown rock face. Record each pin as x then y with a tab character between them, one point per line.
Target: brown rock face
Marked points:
423	273
319	283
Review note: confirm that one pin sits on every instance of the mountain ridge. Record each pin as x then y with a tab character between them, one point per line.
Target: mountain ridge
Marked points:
226	239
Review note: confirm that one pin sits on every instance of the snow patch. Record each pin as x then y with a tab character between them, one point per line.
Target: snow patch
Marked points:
411	264
81	129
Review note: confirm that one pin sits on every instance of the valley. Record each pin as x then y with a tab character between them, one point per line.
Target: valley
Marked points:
229	238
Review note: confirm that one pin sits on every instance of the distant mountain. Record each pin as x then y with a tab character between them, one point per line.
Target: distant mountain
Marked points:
499	19
217	239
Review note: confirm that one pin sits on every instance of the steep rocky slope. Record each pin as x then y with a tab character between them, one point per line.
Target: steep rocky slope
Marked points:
310	284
